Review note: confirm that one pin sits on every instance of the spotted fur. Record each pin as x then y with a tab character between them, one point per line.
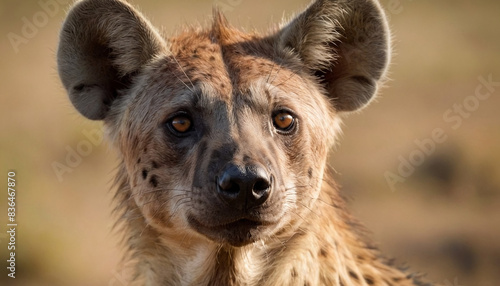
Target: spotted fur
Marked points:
235	199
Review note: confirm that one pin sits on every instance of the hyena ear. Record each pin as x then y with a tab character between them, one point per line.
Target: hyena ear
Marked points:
345	43
103	44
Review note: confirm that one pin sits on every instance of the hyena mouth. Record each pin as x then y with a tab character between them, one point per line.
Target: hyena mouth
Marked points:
236	233
240	213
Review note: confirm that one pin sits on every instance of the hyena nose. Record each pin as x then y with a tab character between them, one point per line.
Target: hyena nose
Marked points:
244	187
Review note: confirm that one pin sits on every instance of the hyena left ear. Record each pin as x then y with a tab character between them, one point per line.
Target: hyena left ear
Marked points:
103	44
345	43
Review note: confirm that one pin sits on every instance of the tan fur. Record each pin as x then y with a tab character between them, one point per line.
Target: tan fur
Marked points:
185	223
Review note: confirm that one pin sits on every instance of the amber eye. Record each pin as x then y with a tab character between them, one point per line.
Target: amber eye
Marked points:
181	123
284	121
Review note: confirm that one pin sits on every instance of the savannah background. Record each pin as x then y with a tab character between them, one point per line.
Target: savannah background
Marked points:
442	220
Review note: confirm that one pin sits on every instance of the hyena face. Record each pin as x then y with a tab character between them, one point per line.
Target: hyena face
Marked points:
224	135
223	140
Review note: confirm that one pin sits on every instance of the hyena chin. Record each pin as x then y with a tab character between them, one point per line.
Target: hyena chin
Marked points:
224	137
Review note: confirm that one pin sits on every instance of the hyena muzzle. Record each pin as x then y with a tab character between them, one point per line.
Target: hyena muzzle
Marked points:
224	137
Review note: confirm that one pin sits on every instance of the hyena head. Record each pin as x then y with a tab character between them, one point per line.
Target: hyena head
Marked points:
224	135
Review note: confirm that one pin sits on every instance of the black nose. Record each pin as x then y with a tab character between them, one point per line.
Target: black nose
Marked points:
244	187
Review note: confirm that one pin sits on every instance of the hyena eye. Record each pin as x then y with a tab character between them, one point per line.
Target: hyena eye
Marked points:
180	124
284	121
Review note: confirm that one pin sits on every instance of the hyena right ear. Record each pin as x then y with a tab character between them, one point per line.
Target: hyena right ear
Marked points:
103	44
345	44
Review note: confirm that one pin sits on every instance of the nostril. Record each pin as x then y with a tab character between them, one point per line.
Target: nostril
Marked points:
261	190
261	185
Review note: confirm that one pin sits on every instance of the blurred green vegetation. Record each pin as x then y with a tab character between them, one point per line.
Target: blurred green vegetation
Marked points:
443	220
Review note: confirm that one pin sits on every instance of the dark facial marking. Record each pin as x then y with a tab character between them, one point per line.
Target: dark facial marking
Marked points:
202	150
222	154
353	275
144	174
198	178
368	279
323	252
154	181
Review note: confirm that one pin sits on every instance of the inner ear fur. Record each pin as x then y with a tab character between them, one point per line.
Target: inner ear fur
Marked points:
345	44
103	44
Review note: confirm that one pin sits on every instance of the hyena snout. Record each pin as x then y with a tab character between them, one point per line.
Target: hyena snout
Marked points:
244	187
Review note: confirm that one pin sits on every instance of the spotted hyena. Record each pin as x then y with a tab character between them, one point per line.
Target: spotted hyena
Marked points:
223	137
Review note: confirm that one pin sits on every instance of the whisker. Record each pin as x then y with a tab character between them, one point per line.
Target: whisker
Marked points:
277	73
308	208
178	204
182	69
144	229
327	203
293	212
283	82
270	73
157	190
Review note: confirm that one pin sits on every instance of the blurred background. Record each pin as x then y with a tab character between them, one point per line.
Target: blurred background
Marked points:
420	166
